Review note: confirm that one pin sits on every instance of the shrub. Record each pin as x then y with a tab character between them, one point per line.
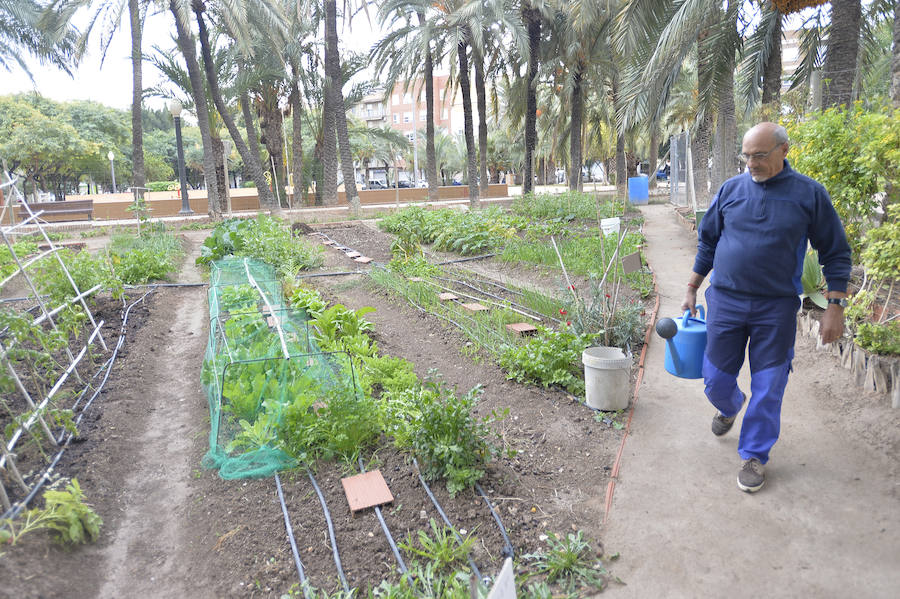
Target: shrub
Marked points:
879	338
552	357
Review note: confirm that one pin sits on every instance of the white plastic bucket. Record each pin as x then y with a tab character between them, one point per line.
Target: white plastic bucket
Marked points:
610	226
607	377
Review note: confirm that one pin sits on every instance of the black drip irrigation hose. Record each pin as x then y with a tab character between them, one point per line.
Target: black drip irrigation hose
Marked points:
387	532
497	297
331	274
17	509
507	546
334	548
167	285
290	534
446	520
469	259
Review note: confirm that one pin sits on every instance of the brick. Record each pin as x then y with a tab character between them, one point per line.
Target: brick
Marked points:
522	328
446	297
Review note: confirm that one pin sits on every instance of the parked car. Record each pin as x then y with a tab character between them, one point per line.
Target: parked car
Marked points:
376	184
404	184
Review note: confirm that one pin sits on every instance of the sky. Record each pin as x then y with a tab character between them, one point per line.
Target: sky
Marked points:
110	82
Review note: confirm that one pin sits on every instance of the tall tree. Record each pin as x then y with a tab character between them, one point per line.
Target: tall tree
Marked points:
839	71
531	16
266	197
187	45
138	173
468	126
334	76
26	28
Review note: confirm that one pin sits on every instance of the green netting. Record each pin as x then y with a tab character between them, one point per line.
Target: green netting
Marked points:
260	355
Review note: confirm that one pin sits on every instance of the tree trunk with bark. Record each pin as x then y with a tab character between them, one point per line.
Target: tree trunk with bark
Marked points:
430	154
533	24
198	92
138	172
839	71
266	197
333	66
481	99
654	155
329	158
771	84
621	166
465	90
271	125
297	142
249	125
575	159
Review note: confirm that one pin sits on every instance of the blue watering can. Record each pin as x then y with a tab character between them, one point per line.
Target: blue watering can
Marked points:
685	343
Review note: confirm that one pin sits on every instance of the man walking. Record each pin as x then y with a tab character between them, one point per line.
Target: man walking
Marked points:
754	239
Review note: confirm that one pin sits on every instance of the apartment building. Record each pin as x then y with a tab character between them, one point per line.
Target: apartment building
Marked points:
404	108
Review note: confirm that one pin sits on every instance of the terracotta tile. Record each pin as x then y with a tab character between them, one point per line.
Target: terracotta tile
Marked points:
328	242
362	259
522	328
366	490
353	254
445	297
474	307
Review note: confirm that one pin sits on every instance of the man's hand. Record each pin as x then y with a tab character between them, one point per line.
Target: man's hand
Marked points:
832	325
690	301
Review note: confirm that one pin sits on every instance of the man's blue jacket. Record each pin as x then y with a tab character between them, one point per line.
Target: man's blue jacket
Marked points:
754	235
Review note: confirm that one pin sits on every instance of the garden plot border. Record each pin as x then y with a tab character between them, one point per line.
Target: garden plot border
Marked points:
872	372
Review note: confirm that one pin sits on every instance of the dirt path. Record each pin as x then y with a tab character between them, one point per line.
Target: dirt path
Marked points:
145	557
828	521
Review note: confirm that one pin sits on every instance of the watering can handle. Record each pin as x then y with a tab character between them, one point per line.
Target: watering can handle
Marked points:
687	315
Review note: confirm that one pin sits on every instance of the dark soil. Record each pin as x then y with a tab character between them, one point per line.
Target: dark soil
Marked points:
173	529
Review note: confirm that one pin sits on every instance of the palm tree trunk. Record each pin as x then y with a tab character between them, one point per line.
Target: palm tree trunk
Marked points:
575	131
771	86
654	154
266	197
895	58
271	125
621	166
726	149
198	91
465	90
333	67
430	154
839	71
249	125
297	142
138	173
700	157
329	158
480	97
533	23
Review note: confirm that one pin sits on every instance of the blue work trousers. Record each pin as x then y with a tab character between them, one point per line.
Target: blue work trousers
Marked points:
769	324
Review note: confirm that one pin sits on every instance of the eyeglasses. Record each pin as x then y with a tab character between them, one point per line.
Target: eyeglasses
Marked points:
757	156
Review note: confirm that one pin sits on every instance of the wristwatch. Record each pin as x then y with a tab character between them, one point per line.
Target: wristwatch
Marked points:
842	302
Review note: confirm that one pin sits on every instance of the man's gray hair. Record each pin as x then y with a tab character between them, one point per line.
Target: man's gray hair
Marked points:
781	135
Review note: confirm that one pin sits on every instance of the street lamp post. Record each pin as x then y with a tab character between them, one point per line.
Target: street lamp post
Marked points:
112	168
175	109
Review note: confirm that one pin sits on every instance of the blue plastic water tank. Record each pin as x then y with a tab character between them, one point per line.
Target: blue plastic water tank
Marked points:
638	190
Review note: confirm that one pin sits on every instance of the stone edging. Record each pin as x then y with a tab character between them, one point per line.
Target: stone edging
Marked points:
870	371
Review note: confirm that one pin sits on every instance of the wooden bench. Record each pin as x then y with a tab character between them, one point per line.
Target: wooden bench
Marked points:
63	209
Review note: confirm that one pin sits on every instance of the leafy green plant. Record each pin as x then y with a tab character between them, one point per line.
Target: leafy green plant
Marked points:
568	561
878	338
85	269
152	256
65	512
566	206
425	582
308	300
338	326
813	280
440	547
552	357
386	374
439	427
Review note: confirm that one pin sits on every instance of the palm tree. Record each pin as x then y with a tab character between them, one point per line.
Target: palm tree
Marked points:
533	12
400	54
840	67
334	81
109	12
25	28
198	91
266	197
759	73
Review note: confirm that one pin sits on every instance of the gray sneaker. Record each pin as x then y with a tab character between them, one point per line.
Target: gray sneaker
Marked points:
722	424
752	476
